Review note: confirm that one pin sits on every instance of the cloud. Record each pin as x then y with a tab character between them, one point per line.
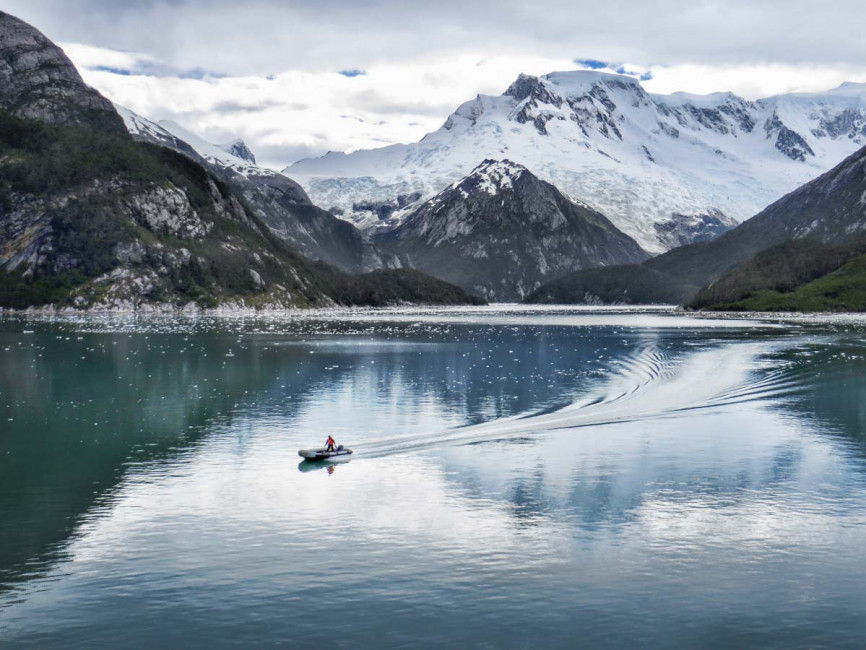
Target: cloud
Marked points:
235	106
642	76
258	37
373	101
618	68
592	64
297	114
281	73
132	64
751	81
107	68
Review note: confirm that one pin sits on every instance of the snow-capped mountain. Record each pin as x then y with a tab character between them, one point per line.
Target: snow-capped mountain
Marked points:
234	156
830	209
664	168
501	232
239	149
278	201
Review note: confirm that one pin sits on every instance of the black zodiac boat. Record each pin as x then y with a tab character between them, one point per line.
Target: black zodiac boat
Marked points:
323	454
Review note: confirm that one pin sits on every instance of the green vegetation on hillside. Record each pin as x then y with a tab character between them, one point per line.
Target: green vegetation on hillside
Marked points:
839	291
85	177
630	284
73	188
38	158
799	275
395	286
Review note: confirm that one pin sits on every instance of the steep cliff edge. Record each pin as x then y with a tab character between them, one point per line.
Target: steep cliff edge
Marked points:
39	82
92	219
501	232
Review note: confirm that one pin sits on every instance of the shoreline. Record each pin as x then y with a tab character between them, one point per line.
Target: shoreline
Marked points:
515	309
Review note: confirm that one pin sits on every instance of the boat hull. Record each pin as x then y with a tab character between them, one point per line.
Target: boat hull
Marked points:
324	455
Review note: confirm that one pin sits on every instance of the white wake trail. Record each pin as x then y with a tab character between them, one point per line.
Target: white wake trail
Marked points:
650	386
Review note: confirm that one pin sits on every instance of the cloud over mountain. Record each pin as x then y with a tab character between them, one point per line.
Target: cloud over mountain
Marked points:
191	60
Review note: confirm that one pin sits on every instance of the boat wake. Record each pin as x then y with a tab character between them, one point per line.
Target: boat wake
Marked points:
651	384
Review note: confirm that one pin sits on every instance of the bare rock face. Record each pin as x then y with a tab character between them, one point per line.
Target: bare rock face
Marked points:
684	229
501	232
275	199
28	234
167	210
239	149
38	81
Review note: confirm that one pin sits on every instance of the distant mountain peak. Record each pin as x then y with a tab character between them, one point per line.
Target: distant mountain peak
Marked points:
567	82
526	86
491	176
239	149
235	155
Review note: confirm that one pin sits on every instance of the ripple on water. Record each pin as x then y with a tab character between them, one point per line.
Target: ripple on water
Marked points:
618	478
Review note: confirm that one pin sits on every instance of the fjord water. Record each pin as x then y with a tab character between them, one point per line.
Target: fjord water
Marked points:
521	478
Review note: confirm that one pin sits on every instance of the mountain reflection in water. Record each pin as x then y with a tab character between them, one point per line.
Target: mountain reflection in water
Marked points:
519	477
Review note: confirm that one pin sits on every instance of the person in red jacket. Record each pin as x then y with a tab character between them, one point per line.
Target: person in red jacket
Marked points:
330	444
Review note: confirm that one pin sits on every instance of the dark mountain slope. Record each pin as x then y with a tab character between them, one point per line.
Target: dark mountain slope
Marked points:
283	205
767	280
38	81
830	209
501	232
90	218
843	290
630	284
277	200
95	220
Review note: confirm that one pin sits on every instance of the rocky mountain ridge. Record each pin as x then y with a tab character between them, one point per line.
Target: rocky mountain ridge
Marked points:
829	210
500	232
239	149
279	201
92	219
662	168
38	81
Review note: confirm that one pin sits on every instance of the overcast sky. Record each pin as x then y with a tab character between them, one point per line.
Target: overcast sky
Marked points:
301	77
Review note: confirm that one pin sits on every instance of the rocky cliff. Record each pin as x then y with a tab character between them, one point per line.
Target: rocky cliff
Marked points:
91	218
38	81
277	200
501	232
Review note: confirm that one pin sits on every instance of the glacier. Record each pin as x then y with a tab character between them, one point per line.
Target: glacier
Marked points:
653	164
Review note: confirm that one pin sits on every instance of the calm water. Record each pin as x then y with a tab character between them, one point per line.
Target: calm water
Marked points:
521	478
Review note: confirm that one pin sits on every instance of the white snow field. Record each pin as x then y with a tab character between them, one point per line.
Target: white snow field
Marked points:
641	159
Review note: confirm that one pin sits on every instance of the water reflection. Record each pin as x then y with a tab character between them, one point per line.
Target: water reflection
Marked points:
84	408
312	466
734	523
